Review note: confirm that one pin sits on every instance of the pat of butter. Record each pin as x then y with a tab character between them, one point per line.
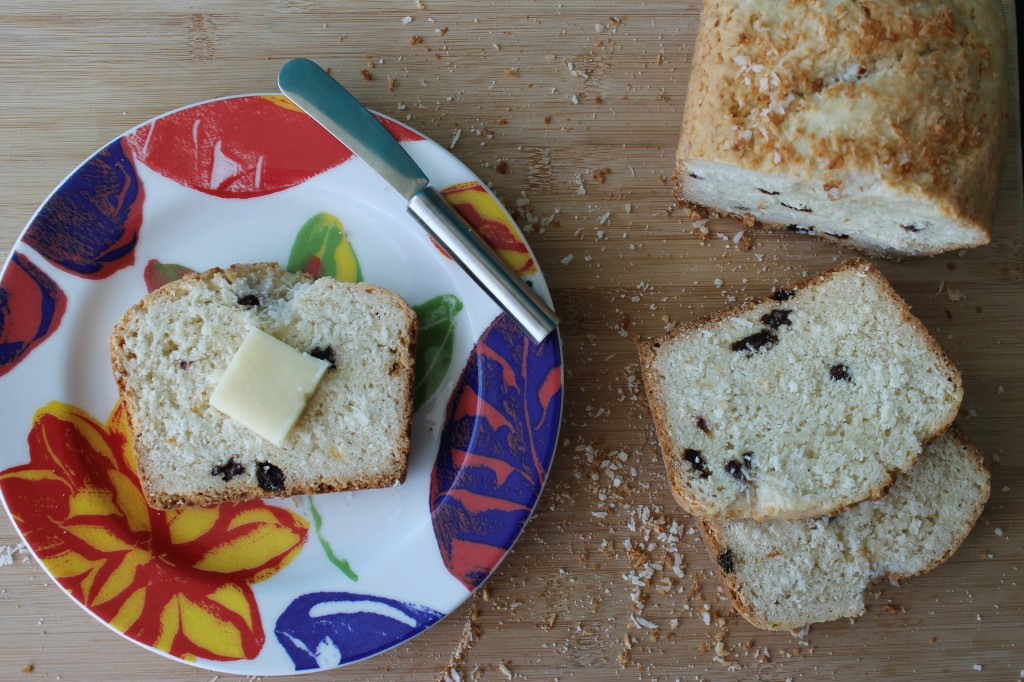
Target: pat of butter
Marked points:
266	385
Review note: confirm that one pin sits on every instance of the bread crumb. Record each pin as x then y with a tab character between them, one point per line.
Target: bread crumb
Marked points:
641	622
955	294
469	635
7	553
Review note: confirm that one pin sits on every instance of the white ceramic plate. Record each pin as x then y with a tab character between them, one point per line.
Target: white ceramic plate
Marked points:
265	588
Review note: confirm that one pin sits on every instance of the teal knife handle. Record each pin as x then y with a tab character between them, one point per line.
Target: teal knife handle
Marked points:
314	91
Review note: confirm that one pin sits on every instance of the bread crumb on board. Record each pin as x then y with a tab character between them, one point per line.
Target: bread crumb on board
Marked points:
7	553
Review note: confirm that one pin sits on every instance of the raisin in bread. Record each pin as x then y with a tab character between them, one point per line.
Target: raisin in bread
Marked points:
880	123
800	405
169	350
783	575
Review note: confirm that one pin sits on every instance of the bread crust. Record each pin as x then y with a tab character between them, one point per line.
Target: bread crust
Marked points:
237	493
911	96
715	546
978	462
647	350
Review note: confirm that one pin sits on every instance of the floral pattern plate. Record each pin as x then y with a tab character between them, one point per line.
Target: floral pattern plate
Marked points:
263	588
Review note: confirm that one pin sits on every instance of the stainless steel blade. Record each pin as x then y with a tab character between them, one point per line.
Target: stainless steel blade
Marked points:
334	107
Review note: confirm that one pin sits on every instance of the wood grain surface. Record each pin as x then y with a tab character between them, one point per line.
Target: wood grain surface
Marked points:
550	97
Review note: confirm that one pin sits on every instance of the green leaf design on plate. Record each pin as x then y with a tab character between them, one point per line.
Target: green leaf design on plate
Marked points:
318	522
158	274
322	249
434	345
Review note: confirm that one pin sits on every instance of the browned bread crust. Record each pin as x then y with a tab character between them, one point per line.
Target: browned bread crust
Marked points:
912	97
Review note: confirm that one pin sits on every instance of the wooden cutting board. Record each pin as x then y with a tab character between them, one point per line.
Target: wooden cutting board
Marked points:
572	111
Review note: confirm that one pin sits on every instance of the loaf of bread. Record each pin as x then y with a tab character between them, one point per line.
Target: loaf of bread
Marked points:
783	575
170	350
802	404
879	123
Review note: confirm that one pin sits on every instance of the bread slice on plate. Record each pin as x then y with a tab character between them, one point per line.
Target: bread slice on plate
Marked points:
877	123
170	350
784	575
800	405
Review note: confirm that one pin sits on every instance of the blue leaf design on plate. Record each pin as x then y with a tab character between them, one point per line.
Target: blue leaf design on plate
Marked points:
496	447
328	629
90	226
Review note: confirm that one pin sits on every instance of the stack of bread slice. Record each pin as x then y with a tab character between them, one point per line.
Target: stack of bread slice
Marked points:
812	435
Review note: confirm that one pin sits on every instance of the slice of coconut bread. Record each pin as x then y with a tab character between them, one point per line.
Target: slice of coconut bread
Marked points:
878	123
784	575
800	405
170	350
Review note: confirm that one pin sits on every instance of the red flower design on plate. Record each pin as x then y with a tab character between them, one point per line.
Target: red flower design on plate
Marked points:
242	147
177	581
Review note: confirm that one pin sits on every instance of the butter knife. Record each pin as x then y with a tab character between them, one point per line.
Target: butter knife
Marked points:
334	107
